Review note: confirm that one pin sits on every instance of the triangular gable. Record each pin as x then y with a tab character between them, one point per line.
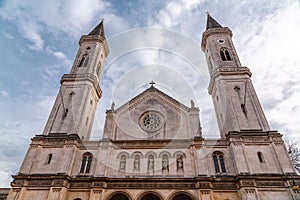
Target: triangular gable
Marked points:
152	92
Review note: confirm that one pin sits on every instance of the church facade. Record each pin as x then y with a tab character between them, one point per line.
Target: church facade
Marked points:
152	146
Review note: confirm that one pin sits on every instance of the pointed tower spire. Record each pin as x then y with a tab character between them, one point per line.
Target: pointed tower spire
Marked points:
212	23
98	30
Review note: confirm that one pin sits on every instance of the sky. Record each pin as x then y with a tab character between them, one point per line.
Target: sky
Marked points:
148	40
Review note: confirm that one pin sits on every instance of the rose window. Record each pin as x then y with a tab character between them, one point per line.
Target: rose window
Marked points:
151	121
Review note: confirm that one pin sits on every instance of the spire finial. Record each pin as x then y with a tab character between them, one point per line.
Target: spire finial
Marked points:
98	30
207	12
112	106
211	22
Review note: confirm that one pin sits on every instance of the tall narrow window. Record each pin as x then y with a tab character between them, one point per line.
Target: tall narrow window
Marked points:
86	163
222	163
98	69
49	158
260	157
219	163
222	55
84	60
225	55
216	163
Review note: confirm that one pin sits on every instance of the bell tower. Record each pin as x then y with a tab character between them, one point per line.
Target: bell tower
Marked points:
236	104
75	106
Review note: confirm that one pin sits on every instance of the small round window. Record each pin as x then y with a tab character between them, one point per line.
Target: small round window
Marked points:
151	121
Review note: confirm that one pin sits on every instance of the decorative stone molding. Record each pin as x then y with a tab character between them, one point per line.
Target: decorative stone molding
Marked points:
83	77
204	185
98	184
56	189
97	191
16	189
154	94
214	31
224	186
250	191
58	183
270	183
247	184
98	38
150	185
81	185
205	192
42	183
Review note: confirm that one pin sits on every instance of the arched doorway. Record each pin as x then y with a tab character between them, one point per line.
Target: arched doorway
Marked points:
150	196
182	197
119	196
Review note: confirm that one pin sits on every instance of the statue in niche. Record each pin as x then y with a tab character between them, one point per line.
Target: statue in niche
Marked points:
151	163
179	162
123	163
165	163
136	163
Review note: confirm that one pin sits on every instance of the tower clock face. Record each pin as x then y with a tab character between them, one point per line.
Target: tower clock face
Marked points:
151	121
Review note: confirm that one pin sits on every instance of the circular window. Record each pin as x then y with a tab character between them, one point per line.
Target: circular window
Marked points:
151	121
221	41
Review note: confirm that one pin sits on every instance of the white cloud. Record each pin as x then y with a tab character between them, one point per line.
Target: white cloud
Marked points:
4	93
7	35
272	52
34	17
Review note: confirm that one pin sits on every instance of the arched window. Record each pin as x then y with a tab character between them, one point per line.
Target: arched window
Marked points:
136	163
225	56
182	197
165	163
119	196
150	196
260	157
219	163
86	163
98	71
150	163
179	162
84	61
49	158
123	163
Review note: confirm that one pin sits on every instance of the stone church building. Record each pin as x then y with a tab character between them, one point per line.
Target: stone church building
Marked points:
152	146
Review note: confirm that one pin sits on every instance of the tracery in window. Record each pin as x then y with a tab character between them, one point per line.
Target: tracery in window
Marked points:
219	163
225	56
84	61
86	163
151	121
